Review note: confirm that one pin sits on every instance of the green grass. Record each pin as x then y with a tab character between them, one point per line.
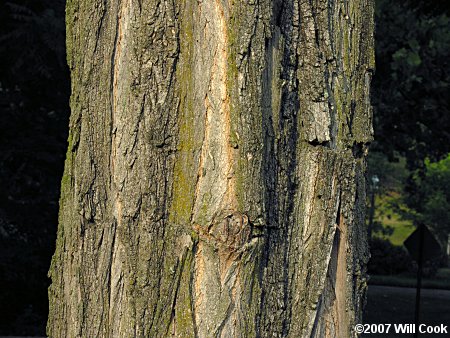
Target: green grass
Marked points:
402	228
388	217
389	204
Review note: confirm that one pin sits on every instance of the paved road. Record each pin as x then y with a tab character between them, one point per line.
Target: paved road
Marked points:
387	304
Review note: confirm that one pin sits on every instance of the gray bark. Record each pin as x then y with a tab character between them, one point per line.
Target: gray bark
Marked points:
214	181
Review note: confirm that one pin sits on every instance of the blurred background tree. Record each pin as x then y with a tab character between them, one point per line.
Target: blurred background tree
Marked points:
411	85
411	120
432	200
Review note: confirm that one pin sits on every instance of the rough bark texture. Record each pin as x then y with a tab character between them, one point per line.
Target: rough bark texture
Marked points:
214	182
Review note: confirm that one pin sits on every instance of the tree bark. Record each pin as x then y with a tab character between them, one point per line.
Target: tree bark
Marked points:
214	182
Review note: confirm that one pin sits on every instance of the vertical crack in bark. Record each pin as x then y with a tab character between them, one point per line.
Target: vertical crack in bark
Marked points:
192	286
340	282
334	317
331	318
115	285
198	296
177	280
115	70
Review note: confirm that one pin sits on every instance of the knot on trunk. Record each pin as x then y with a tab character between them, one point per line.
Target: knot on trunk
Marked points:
229	230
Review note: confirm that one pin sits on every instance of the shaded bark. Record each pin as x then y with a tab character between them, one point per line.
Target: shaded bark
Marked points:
214	182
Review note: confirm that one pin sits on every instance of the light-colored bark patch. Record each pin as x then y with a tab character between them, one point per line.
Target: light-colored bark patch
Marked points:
215	189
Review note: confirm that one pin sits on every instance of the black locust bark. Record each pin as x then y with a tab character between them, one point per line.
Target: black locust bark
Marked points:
214	182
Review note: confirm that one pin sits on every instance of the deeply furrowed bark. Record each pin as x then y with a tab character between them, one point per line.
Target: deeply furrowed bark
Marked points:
214	181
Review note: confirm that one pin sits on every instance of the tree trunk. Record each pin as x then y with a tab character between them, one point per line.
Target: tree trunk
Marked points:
214	182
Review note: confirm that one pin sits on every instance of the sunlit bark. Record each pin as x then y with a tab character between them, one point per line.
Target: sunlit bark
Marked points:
214	182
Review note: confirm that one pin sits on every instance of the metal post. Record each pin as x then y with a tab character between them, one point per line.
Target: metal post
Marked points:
375	180
419	280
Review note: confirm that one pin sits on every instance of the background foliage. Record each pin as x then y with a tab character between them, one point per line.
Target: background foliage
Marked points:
412	79
432	200
411	122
